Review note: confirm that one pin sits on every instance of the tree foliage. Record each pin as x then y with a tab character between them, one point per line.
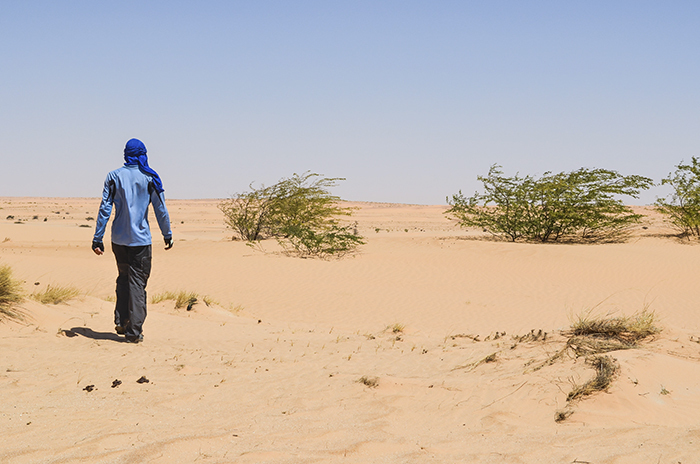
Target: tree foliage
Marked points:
579	204
682	206
299	212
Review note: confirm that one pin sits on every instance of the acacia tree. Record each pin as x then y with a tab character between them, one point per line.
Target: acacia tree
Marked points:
581	203
682	206
299	212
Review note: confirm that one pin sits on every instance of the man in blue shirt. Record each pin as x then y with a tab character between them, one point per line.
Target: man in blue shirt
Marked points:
131	189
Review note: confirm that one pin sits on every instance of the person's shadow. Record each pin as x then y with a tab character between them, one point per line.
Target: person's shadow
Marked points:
89	333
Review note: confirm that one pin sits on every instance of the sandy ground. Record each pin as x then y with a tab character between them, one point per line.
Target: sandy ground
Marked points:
270	374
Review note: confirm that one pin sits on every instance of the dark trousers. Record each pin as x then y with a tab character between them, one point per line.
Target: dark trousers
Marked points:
134	265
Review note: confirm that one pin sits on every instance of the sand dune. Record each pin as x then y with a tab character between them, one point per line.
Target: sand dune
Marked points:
270	373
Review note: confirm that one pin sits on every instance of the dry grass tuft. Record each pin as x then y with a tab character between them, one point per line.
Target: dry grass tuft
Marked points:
371	382
163	296
626	329
182	299
596	335
396	328
10	293
55	294
606	368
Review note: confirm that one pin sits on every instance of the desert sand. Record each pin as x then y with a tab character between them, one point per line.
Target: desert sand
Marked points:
270	373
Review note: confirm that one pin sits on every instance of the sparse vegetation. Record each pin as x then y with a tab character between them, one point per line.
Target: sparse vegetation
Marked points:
581	205
182	299
591	336
56	294
299	212
10	294
682	206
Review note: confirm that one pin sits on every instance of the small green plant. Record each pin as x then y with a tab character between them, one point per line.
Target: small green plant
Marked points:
56	294
298	211
581	204
10	294
682	206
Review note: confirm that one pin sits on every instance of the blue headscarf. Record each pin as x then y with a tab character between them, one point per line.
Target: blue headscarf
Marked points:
135	154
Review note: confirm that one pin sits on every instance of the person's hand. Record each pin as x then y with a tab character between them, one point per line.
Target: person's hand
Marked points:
98	248
168	243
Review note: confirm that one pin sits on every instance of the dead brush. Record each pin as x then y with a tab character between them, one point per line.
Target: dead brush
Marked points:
371	382
493	357
592	335
606	368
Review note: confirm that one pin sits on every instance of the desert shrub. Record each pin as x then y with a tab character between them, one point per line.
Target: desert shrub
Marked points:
299	212
10	293
333	240
55	294
580	204
248	213
682	206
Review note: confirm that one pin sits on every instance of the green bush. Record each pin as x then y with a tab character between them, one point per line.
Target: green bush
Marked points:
248	213
298	211
682	207
580	204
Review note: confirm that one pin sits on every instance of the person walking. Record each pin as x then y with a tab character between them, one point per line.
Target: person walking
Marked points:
131	189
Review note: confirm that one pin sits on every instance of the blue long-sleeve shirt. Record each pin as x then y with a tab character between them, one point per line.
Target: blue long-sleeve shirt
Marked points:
131	191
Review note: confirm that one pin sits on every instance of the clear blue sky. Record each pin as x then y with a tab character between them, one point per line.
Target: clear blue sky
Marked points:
409	100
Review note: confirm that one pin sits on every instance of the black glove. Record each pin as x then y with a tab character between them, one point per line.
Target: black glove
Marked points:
168	243
98	246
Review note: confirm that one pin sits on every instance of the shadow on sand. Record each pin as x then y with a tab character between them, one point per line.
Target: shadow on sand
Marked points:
89	333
